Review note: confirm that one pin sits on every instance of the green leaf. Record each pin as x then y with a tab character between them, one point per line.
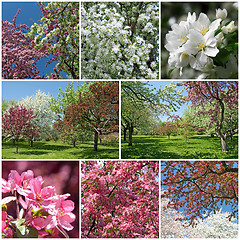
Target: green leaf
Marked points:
217	32
170	71
26	232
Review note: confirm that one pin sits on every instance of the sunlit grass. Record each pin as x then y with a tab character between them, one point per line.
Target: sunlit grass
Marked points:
197	147
59	150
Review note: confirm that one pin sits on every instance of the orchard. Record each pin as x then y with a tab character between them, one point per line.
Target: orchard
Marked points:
81	121
179	120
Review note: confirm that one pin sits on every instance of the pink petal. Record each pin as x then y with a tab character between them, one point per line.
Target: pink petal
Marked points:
51	222
5	186
65	224
35	186
68	205
48	192
39	223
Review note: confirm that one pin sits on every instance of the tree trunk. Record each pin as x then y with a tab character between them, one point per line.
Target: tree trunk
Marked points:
224	143
125	134
74	142
31	143
168	136
95	140
130	135
14	142
16	146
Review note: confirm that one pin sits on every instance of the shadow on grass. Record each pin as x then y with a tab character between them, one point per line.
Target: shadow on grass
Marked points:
197	147
109	153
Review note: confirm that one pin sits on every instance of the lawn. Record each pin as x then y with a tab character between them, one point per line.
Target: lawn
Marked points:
197	147
59	150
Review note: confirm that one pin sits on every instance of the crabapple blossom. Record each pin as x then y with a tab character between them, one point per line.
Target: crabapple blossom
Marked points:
120	199
221	13
43	212
119	40
201	43
16	123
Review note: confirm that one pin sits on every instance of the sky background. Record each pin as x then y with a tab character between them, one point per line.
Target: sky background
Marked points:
30	13
21	89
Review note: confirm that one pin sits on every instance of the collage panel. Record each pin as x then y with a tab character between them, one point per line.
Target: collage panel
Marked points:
60	120
120	40
199	199
179	120
199	40
40	199
119	199
40	40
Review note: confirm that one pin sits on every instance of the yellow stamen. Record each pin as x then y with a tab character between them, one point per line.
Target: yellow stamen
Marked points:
201	45
204	30
183	39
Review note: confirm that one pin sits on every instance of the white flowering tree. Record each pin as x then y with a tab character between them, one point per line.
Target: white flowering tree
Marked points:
58	36
44	115
209	46
215	225
120	40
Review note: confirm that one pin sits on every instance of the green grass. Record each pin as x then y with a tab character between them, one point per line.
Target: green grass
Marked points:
197	147
59	150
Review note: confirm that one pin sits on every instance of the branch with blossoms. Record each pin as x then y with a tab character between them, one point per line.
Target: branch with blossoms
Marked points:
209	47
40	212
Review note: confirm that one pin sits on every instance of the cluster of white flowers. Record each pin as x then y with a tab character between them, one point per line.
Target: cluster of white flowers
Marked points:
116	45
196	41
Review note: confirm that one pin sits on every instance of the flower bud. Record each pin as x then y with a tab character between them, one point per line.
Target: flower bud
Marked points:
221	13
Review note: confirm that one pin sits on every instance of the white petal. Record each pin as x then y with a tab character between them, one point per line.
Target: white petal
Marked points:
203	20
215	24
211	52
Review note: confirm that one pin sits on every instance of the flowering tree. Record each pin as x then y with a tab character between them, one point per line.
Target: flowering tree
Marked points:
58	34
119	40
187	130
120	199
216	225
19	54
207	46
201	186
96	110
223	96
43	213
44	115
169	129
140	102
16	123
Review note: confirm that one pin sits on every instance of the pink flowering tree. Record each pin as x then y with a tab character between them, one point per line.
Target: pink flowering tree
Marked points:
223	96
120	199
16	123
169	129
40	212
19	54
200	187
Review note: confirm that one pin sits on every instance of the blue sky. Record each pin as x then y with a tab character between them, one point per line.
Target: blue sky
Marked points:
30	12
21	89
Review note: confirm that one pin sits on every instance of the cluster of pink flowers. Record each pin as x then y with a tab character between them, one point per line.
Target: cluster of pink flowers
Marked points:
39	208
200	129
